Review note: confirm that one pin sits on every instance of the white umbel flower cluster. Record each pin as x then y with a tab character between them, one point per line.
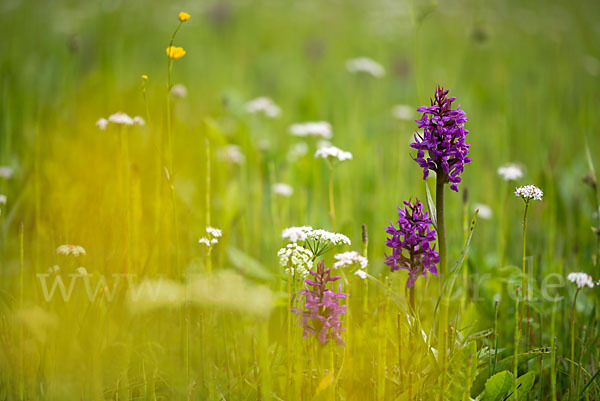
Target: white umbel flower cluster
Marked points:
296	258
295	234
351	258
212	237
333	153
327	237
263	105
529	192
365	65
510	172
282	189
319	129
120	119
3	199
581	279
70	250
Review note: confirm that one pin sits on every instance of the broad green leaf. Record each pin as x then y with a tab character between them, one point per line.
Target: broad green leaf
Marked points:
498	386
524	385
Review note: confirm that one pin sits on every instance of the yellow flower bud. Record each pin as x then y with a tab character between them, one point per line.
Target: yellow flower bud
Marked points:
183	16
175	52
144	77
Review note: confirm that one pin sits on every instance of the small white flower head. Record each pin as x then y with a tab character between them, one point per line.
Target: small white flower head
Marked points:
295	234
403	112
6	172
529	192
296	258
263	105
327	237
365	65
511	172
361	273
296	151
581	280
102	123
318	129
233	154
212	237
179	91
82	271
351	258
485	212
70	250
214	232
54	269
3	199
120	119
333	153
282	189
137	120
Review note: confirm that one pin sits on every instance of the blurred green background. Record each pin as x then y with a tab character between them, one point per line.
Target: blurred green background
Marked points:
526	73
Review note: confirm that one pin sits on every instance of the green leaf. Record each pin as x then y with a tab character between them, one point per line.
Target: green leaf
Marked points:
524	385
249	266
431	206
504	364
498	386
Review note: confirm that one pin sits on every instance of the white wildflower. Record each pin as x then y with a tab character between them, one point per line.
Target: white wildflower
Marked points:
6	172
120	118
3	199
485	212
263	105
319	129
332	153
365	65
324	236
296	258
70	250
102	123
295	234
581	279
403	112
350	259
510	172
282	189
297	151
214	232
82	271
212	237
137	120
233	154
54	269
179	91
361	273
529	192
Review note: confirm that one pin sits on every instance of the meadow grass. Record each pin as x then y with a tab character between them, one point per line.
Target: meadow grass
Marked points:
172	319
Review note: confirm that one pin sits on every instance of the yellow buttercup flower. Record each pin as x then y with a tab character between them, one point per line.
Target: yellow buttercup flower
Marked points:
183	16
175	52
144	77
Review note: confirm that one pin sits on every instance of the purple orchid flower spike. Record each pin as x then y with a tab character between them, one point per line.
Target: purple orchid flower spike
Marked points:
443	139
411	243
321	315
